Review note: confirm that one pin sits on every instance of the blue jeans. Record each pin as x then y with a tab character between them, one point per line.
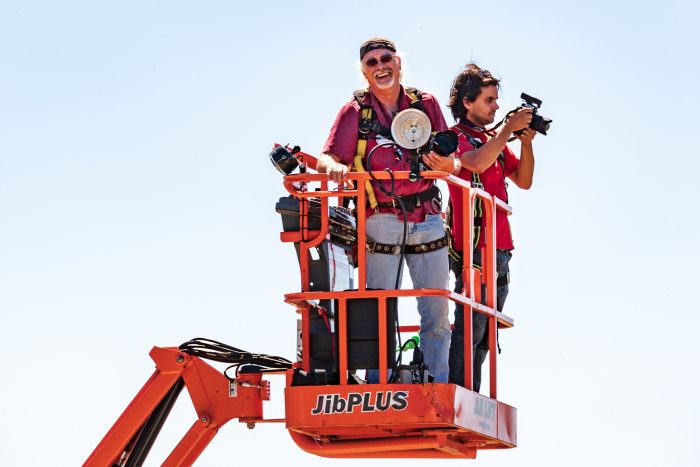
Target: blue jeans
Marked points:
427	270
480	335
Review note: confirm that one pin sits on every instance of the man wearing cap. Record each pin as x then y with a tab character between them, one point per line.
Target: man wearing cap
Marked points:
362	124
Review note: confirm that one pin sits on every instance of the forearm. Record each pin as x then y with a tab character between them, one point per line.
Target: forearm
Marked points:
327	161
526	168
481	159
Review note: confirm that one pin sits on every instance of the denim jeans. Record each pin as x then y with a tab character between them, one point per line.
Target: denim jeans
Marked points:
480	335
427	270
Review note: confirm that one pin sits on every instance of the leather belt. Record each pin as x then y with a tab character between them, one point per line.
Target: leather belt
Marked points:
427	247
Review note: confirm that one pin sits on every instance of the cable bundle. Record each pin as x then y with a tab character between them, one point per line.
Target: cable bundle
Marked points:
239	359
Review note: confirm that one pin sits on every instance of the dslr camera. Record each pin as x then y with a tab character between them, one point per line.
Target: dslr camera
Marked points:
539	123
443	143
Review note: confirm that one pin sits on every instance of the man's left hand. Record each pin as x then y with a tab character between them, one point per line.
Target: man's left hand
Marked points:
527	136
444	164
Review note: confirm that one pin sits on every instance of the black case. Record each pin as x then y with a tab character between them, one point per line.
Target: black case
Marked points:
363	332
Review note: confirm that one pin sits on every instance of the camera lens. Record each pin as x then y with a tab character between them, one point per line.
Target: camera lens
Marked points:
445	143
540	124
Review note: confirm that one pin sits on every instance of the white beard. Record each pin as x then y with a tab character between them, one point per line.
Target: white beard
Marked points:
386	84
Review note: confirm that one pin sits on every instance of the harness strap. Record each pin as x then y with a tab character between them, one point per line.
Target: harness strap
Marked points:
416	99
427	247
477	144
415	200
451	252
476	182
366	114
369	124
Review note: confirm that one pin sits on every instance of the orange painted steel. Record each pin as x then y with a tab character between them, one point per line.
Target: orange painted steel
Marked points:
437	420
210	392
432	420
398	434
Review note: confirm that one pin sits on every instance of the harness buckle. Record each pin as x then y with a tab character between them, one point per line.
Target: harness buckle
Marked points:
364	127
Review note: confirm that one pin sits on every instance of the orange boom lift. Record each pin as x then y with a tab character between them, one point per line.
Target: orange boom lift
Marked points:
327	413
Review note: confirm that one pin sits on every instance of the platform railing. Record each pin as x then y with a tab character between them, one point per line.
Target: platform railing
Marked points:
300	186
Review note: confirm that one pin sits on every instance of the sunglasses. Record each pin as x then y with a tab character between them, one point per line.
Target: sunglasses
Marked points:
384	59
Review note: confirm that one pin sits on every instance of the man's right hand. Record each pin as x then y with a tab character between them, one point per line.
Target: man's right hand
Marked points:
338	173
519	120
331	165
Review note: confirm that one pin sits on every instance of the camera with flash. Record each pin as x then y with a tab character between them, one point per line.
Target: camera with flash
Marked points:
411	130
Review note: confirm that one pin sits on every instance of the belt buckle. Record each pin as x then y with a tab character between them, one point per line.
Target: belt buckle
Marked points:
370	244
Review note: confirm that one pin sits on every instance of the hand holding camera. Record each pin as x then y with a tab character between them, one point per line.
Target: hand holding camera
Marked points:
538	123
518	120
526	135
435	161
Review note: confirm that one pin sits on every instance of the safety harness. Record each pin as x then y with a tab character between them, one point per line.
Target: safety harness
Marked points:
476	182
369	123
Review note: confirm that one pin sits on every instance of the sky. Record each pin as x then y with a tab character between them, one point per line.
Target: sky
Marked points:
137	209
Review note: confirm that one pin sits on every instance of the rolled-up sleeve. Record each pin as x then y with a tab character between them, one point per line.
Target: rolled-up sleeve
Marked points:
342	139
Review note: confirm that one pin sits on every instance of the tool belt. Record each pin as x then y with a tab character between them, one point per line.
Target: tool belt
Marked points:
427	247
415	200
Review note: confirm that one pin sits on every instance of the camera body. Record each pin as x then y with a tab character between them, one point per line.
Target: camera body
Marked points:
411	130
443	143
539	123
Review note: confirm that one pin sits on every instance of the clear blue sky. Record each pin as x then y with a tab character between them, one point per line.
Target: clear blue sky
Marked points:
137	209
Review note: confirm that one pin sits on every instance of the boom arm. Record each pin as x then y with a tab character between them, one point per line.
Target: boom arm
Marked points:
216	400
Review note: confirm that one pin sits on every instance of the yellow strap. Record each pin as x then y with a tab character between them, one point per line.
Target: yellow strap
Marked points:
413	96
361	149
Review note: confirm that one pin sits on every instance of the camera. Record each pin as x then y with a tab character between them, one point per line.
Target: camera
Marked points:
539	123
411	129
285	159
443	143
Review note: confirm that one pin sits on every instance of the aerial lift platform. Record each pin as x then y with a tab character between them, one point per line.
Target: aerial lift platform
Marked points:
331	415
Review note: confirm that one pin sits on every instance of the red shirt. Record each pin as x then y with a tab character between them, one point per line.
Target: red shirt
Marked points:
342	142
493	180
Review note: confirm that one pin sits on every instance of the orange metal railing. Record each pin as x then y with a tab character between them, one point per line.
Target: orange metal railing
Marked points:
301	186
